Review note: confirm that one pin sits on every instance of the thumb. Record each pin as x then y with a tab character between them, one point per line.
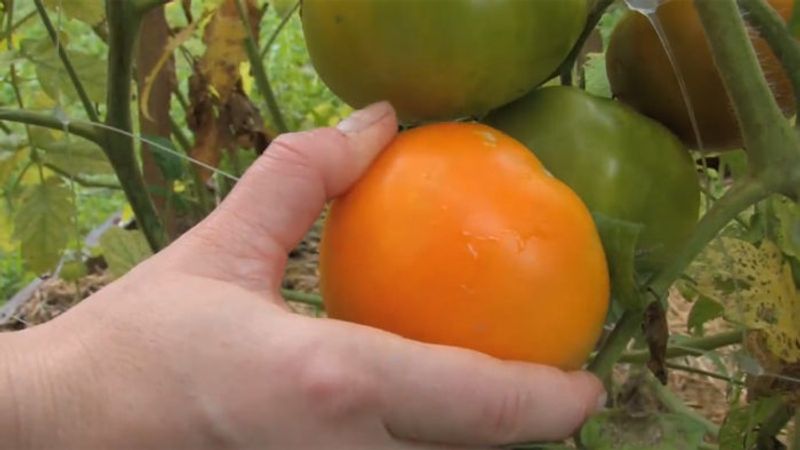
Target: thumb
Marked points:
246	240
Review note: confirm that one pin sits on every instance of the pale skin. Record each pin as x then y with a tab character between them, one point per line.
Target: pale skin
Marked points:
195	348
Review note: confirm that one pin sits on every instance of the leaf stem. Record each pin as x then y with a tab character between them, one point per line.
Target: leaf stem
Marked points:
676	405
278	30
616	343
706	373
91	112
694	346
260	75
84	129
771	27
780	415
79	179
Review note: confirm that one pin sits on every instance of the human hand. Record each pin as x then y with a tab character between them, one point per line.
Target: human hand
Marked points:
195	348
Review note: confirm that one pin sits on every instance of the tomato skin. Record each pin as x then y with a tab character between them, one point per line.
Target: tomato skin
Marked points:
641	75
442	59
619	162
457	236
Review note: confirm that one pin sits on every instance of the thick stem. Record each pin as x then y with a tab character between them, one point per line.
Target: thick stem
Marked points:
771	27
259	74
565	69
617	342
91	112
690	347
772	145
124	20
777	420
84	129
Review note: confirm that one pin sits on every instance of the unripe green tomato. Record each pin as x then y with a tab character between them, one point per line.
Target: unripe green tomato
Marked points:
439	59
621	163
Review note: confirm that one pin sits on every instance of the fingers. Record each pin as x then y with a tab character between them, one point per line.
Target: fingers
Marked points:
277	200
453	396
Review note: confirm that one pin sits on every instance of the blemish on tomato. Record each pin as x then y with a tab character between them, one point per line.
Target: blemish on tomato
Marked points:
489	138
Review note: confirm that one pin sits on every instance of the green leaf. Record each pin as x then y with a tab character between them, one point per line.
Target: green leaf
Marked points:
735	162
740	429
43	223
53	77
170	164
703	310
123	250
89	11
282	7
787	229
72	271
71	153
616	430
9	161
619	242
594	71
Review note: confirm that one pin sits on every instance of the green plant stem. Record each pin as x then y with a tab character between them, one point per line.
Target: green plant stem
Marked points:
303	297
124	19
91	112
676	405
84	129
705	373
744	193
780	415
689	347
771	27
79	179
278	30
259	74
772	145
616	343
566	67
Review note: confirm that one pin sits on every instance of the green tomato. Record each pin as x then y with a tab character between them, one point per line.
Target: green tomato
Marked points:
439	59
622	164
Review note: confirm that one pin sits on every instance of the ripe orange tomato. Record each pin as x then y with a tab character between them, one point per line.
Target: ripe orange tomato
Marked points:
641	75
457	235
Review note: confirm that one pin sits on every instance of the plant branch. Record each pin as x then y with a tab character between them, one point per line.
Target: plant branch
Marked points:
79	179
689	347
11	27
744	193
771	27
706	373
616	343
780	415
91	112
278	29
84	129
772	145
676	405
124	20
303	297
565	69
260	75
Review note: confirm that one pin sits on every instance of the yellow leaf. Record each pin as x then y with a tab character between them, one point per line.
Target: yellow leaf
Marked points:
247	79
127	213
756	287
225	52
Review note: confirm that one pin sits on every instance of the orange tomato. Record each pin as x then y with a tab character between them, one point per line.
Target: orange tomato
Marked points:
457	235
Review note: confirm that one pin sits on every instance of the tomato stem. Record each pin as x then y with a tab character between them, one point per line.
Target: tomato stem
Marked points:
771	27
676	405
616	343
772	145
689	347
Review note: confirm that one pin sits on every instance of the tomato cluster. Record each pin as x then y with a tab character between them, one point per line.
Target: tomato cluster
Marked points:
481	235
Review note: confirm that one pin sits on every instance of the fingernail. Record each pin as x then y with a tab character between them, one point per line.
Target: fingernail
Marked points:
364	118
601	402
